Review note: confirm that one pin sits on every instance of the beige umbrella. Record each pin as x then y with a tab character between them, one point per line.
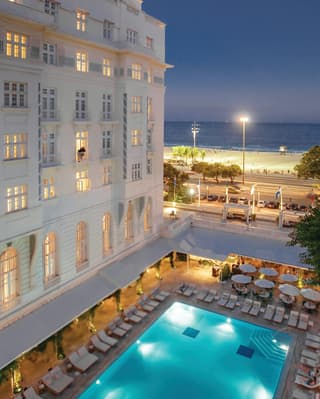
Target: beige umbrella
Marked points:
268	271
288	278
247	268
289	290
310	294
263	283
241	279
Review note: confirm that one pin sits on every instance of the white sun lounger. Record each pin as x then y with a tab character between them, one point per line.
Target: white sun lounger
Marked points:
309	362
129	315
30	393
106	338
202	294
303	321
312	344
118	322
150	301
159	295
56	381
310	354
254	311
224	299
99	345
113	329
279	315
269	312
293	318
210	297
246	305
313	337
232	302
82	359
300	380
298	394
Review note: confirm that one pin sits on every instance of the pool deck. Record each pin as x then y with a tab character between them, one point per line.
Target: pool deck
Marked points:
169	283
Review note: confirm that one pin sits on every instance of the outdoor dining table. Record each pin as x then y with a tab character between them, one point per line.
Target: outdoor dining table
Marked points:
309	305
287	300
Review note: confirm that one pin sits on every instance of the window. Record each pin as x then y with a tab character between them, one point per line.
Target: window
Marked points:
15	94
147	216
15	146
16	45
149	75
128	223
49	257
49	53
106	143
81	145
136	71
106	233
81	244
149	109
49	101
82	181
108	30
16	198
136	171
50	7
81	112
136	137
132	36
149	166
106	107
149	137
81	18
8	275
107	174
136	104
106	67
48	190
82	61
149	42
48	147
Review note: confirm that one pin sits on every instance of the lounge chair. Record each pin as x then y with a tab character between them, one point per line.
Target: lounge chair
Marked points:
293	318
122	324
56	381
202	294
303	321
269	312
313	337
99	345
246	305
309	362
279	315
81	359
106	338
254	311
159	295
310	354
150	301
129	315
139	312
224	299
312	344
232	302
298	394
113	329
185	289
210	297
30	393
306	382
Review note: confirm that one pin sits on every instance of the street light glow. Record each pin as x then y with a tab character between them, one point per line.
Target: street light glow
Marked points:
244	119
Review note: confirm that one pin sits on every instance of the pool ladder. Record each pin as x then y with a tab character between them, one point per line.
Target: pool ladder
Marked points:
262	341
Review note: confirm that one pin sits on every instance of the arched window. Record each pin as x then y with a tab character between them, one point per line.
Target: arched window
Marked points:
106	233
49	257
147	216
128	223
8	275
81	244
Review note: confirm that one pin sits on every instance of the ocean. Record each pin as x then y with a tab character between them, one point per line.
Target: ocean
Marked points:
259	136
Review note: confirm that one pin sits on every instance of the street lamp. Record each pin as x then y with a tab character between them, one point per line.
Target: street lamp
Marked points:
191	193
195	129
243	120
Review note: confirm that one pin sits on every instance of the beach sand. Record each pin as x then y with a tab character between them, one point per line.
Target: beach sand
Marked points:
255	162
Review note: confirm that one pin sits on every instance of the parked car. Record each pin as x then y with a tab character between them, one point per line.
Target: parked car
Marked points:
303	208
233	200
243	201
272	205
222	198
292	206
261	204
212	197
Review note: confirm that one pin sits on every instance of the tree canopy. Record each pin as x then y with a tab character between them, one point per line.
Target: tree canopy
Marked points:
306	233
309	167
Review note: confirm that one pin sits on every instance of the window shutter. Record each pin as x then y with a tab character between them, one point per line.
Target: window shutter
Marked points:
35	52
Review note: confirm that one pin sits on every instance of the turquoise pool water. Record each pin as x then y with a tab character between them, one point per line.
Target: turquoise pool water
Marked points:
193	353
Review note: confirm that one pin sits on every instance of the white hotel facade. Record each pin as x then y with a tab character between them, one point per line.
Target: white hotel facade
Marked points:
81	130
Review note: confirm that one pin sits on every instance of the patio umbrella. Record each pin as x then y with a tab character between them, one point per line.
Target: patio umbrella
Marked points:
247	268
310	294
289	290
288	278
262	283
268	271
241	278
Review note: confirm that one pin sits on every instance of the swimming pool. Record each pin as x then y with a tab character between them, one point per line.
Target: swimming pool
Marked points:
193	353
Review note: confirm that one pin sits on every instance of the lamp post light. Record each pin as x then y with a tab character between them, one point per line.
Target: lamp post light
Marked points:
191	193
243	120
195	129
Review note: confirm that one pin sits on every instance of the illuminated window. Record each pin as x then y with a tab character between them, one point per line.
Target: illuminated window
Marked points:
106	143
106	67
81	18
49	104
149	109
107	174
81	105
128	223
149	42
132	36
50	7
106	233
16	45
136	71
136	173
136	137
82	181
48	190
8	275
106	107
82	61
49	53
136	104
81	146
81	244
147	216
15	146
48	147
50	257
15	94
16	198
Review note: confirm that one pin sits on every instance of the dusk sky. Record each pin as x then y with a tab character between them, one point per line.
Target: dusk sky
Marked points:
230	56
